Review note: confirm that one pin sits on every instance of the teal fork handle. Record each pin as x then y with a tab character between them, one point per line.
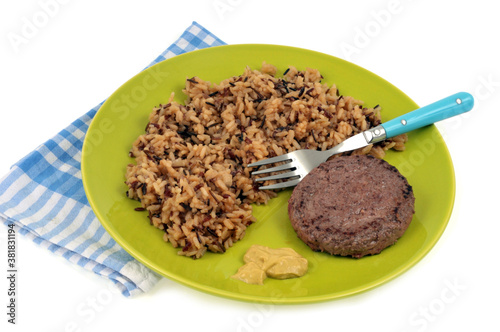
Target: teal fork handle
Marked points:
443	109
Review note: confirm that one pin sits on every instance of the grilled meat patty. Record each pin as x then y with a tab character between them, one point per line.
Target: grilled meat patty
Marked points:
352	206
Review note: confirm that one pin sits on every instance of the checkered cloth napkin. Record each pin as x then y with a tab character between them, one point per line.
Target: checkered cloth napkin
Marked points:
43	196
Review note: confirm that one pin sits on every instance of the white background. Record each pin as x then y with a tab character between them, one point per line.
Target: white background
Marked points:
84	50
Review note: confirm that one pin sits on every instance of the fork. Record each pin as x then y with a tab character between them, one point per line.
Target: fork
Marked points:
298	164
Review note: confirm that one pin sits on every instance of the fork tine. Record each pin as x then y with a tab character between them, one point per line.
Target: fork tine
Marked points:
281	185
272	160
274	169
279	176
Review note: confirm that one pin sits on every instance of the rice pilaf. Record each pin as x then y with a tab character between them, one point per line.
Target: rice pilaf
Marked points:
190	169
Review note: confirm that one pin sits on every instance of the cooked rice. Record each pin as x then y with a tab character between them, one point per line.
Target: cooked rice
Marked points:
190	172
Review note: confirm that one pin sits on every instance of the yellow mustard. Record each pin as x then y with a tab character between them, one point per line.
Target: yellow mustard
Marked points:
262	262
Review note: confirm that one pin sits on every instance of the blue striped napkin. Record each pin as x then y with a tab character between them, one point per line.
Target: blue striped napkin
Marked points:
43	196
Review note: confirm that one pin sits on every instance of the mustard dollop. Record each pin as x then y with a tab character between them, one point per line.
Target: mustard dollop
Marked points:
262	262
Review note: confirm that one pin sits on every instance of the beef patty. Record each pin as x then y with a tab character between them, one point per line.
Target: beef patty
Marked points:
352	206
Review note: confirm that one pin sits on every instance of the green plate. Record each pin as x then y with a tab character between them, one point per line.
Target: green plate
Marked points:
426	163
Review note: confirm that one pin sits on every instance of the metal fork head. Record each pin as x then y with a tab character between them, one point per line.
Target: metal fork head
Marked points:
296	165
